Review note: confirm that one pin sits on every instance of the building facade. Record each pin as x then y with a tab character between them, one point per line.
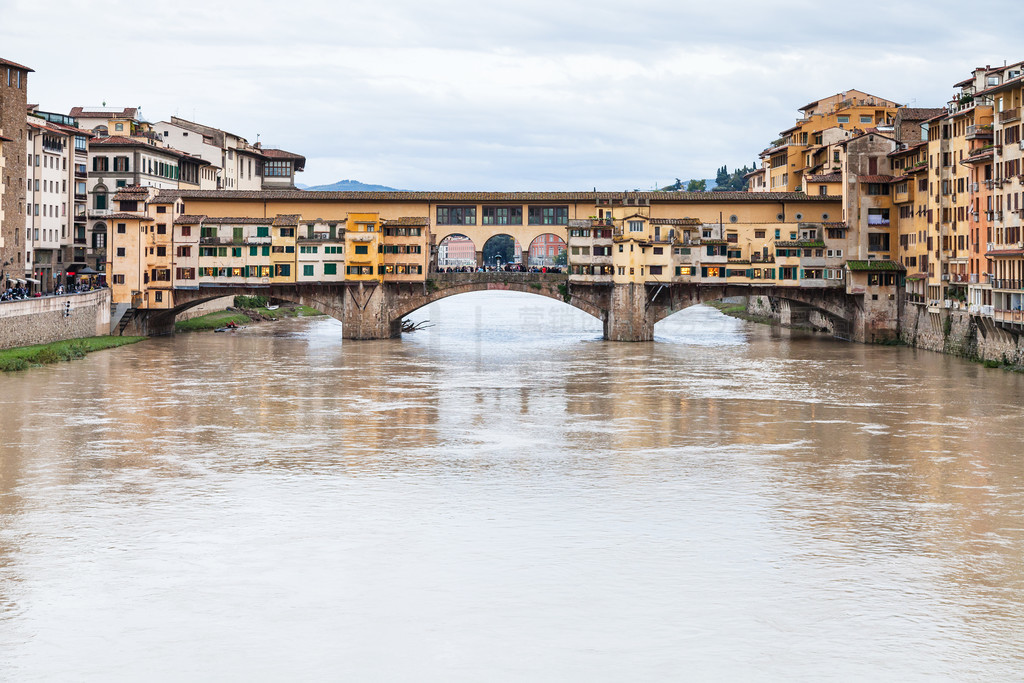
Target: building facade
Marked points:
13	128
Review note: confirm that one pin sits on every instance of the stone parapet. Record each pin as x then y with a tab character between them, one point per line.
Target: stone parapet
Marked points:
54	318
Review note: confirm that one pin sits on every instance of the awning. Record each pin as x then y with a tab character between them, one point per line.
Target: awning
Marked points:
87	271
32	280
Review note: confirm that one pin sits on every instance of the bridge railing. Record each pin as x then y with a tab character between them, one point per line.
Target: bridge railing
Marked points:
495	276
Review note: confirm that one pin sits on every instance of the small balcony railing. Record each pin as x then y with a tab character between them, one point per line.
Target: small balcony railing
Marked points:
1009	115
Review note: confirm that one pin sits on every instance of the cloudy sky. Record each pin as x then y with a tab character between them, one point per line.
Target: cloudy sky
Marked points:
501	95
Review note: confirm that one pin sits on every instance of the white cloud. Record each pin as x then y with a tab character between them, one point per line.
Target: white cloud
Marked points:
500	95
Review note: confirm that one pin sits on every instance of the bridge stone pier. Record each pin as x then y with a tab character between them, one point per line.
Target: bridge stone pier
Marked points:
375	310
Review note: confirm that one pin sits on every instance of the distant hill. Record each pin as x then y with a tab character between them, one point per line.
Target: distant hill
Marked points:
348	186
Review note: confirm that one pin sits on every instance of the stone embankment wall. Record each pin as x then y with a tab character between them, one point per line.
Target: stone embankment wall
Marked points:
49	319
214	306
958	333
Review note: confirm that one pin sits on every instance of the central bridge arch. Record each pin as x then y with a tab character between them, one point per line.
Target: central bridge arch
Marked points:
551	285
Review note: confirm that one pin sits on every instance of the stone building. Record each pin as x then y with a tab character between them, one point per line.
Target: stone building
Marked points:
13	102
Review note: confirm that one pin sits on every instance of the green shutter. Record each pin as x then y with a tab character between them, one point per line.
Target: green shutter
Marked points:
330	269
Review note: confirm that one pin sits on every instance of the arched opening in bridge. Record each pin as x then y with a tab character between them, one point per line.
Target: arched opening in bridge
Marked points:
548	250
519	316
502	250
456	251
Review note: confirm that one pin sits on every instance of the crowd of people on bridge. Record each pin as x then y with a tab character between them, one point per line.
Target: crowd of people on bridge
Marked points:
507	268
18	292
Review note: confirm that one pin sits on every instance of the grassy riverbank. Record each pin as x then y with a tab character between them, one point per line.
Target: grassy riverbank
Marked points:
24	357
243	316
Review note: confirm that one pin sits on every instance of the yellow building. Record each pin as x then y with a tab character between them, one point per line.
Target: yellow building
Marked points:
809	147
364	248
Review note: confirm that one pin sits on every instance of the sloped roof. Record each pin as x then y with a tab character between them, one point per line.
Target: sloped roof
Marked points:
14	65
874	266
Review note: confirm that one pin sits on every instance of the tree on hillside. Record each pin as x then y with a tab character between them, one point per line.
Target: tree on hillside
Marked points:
697	186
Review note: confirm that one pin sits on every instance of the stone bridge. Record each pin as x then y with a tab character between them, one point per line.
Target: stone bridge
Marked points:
371	310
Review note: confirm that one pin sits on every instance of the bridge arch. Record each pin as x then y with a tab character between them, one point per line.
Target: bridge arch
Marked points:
456	250
451	284
548	249
501	249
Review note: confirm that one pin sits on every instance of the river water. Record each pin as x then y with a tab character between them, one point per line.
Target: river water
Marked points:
504	496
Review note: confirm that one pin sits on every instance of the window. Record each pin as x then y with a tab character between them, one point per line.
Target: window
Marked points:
456	215
118	126
277	169
119	279
236	252
120	251
362	249
636	226
263	231
548	215
866	119
287	232
759	234
282	270
122	228
121	163
161	251
878	216
330	269
186	231
843	119
307	270
878	241
503	215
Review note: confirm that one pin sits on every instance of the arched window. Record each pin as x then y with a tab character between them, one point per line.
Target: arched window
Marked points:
100	197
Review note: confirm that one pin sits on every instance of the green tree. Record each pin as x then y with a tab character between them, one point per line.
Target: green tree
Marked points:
722	177
499	245
697	186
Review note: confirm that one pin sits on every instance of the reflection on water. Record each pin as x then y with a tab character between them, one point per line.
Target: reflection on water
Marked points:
505	496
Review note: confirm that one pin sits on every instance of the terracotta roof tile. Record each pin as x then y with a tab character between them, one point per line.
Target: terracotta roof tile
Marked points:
826	178
14	65
126	113
280	154
127	216
874	178
407	220
189	219
238	220
919	113
287	219
666	197
676	221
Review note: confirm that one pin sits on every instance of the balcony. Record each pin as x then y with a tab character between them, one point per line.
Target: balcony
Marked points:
257	240
216	240
1009	115
979	132
1015	285
1004	316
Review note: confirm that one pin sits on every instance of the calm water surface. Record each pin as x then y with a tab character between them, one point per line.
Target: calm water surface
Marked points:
503	496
